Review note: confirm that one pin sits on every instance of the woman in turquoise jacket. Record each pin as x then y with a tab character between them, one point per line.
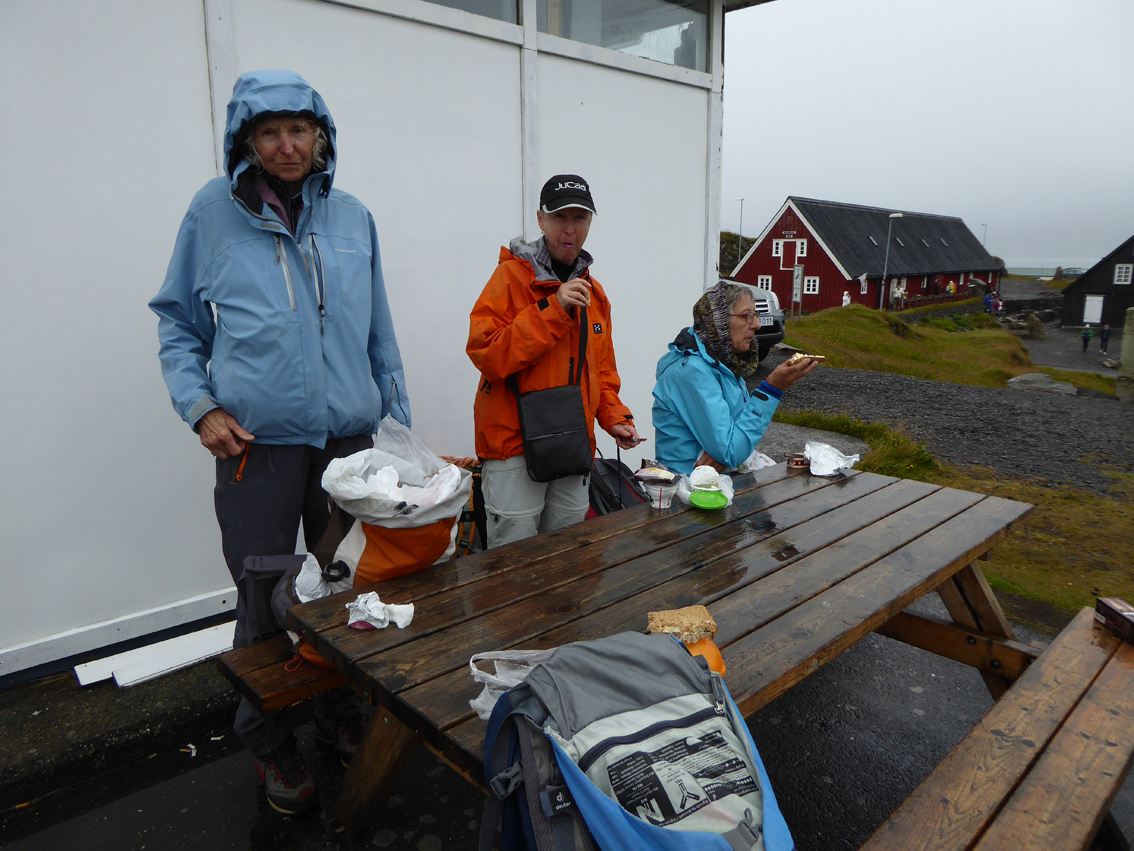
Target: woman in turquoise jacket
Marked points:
703	411
278	349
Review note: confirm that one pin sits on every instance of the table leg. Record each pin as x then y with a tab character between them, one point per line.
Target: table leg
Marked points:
381	756
972	604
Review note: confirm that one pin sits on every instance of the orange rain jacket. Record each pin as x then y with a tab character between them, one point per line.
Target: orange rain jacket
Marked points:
518	326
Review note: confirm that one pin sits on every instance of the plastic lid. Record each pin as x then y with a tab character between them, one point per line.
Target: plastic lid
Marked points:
708	499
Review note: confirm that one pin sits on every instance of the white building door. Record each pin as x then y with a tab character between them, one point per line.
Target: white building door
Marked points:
1092	310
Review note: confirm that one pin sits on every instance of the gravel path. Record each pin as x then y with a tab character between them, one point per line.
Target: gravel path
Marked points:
1038	435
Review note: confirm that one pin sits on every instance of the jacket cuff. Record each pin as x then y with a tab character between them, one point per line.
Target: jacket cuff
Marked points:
199	409
774	392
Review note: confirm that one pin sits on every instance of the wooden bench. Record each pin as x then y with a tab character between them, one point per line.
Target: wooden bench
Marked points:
1042	768
266	673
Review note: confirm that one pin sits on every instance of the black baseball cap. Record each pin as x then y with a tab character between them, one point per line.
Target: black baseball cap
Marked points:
566	190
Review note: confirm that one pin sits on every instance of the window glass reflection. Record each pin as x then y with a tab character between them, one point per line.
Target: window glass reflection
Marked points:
672	32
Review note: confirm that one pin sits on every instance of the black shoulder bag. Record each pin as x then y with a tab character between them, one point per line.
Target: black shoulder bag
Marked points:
553	423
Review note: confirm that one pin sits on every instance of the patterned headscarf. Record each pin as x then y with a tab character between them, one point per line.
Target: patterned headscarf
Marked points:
710	324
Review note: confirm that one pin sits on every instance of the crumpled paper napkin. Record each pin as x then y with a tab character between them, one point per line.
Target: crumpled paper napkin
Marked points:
827	460
367	611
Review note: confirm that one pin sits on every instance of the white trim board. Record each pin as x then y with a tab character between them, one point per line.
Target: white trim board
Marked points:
19	657
153	660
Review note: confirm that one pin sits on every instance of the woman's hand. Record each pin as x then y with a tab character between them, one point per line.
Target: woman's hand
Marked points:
625	435
707	460
222	435
785	375
575	291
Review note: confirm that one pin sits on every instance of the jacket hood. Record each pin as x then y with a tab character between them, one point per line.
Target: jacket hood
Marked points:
686	344
536	255
272	91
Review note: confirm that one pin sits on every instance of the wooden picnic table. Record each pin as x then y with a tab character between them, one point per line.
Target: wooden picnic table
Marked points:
795	571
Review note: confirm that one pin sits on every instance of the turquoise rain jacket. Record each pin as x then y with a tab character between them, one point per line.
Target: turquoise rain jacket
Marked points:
291	335
699	404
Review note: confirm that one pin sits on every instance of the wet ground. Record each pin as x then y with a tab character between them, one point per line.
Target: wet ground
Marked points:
1063	347
843	749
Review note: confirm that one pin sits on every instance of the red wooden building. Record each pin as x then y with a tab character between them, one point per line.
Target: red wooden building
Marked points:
821	249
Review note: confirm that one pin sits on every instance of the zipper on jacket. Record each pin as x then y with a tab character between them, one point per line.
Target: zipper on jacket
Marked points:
281	260
588	759
320	283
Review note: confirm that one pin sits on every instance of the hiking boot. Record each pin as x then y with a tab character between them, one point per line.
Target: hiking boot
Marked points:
289	787
343	734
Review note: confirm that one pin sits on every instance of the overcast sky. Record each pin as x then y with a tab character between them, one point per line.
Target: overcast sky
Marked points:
1015	114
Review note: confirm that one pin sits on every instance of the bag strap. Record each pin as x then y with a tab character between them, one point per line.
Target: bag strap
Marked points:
577	378
503	780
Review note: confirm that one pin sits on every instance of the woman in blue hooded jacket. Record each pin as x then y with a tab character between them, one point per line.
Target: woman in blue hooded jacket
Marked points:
278	349
703	411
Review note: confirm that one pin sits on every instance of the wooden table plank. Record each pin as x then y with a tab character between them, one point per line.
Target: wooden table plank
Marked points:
1069	790
534	612
772	659
319	620
328	611
554	587
442	702
967	789
740	614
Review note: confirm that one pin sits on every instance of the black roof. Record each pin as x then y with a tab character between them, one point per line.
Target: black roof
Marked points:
920	243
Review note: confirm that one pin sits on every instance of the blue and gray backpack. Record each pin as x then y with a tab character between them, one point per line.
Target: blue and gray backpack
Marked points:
625	742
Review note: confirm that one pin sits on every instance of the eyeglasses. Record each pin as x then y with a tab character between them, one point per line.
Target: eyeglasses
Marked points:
750	317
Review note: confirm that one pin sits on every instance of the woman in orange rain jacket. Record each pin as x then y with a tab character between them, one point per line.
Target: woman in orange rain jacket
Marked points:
525	323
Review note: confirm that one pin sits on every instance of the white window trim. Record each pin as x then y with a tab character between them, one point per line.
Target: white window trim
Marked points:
777	248
801	248
811	285
1128	268
862	290
764	282
424	12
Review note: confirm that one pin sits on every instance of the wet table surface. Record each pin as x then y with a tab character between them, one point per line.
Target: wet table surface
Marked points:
795	571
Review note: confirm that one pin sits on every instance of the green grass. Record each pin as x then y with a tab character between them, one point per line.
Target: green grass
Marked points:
1072	548
856	337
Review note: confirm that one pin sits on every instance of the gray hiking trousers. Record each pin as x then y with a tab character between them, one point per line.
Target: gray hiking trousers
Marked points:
259	515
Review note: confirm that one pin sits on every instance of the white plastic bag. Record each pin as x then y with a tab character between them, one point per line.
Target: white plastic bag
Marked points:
724	484
376	485
756	461
511	668
414	461
827	460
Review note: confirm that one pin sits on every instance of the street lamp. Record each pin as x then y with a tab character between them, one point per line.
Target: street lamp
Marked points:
740	234
886	262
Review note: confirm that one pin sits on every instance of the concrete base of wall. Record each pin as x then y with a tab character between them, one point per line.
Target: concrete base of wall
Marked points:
1124	388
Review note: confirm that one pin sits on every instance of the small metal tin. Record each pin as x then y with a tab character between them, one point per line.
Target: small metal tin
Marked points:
796	460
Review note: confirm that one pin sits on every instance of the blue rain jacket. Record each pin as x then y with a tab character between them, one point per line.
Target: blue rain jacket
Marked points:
699	404
291	335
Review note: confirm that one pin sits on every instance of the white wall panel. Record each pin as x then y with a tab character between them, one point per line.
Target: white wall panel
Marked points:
429	139
105	496
641	143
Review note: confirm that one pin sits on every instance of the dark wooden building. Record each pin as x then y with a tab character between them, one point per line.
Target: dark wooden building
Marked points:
1102	294
834	247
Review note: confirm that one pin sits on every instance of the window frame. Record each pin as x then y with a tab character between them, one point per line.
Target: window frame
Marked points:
801	248
777	248
1128	268
811	285
764	282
